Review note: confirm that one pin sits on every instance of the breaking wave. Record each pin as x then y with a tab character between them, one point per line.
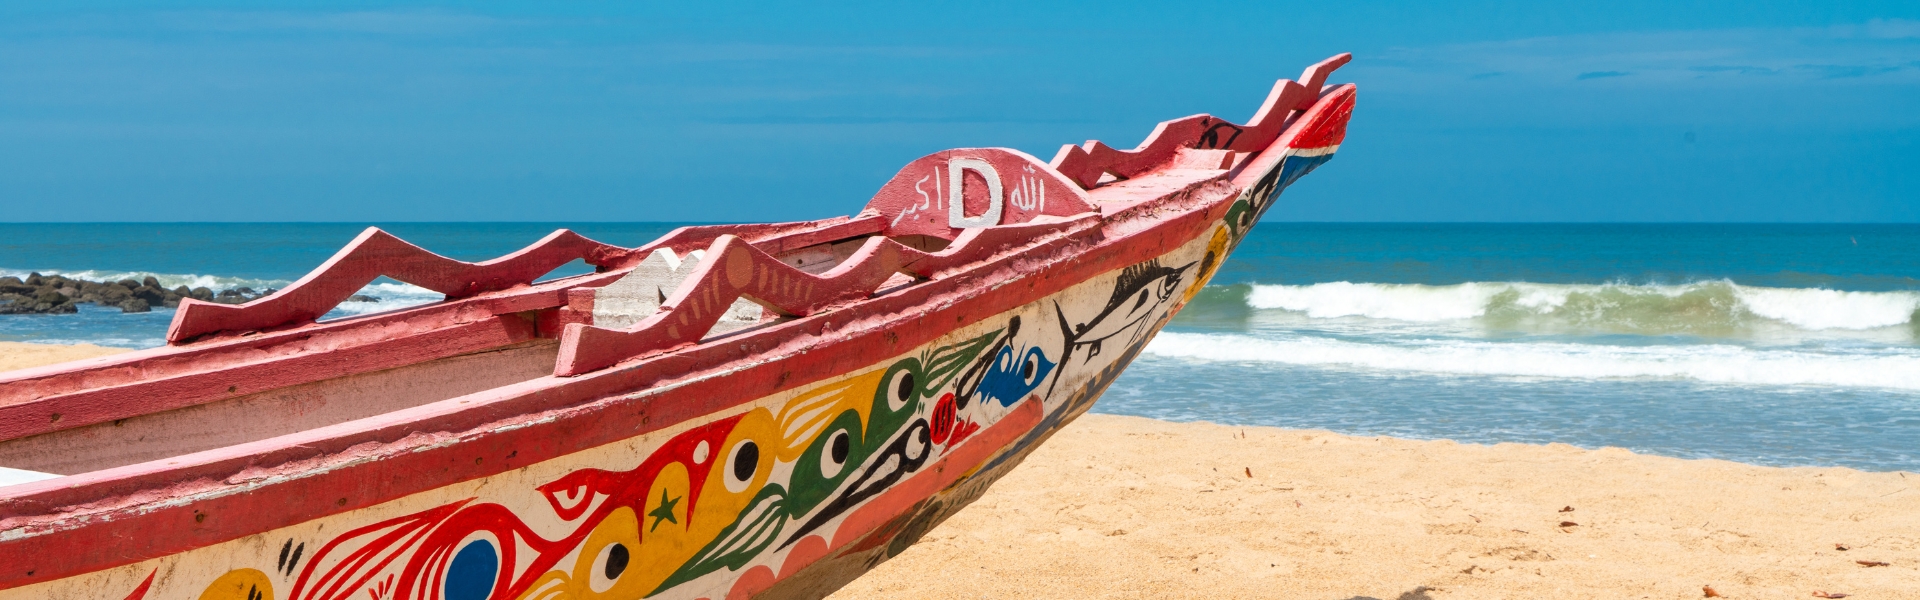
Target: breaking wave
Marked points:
1896	368
392	295
1705	307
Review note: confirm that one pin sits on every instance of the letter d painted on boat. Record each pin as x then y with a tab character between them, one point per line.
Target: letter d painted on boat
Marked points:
957	209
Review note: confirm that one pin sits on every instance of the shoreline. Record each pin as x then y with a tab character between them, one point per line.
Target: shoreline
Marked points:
1116	506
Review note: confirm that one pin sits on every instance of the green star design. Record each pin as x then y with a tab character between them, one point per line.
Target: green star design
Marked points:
664	512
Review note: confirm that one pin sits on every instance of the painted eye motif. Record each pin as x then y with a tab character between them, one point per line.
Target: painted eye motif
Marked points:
609	566
900	390
1030	367
917	444
745	460
471	574
835	457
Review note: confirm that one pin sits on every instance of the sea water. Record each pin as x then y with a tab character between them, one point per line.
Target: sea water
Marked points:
1767	344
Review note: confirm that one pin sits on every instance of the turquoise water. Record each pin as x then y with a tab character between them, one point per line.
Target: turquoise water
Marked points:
1768	344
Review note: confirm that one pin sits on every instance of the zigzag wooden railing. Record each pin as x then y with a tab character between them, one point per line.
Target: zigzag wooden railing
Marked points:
376	253
373	254
734	269
1085	164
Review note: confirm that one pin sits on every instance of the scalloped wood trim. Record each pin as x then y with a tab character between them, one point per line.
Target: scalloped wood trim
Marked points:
1086	163
733	269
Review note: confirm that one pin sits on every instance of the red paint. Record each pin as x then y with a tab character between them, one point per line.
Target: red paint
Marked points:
1327	126
917	201
940	424
755	580
733	269
1086	163
375	253
140	592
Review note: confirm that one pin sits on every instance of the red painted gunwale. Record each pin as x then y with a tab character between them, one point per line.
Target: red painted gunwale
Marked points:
78	524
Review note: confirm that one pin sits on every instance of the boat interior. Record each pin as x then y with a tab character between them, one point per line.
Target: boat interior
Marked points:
492	352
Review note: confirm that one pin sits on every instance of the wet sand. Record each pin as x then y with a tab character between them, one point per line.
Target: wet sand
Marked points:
1124	507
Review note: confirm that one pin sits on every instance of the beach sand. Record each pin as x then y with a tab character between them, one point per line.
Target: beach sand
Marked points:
16	355
1125	507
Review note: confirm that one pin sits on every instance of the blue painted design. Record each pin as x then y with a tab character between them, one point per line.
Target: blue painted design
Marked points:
1013	376
1295	167
472	574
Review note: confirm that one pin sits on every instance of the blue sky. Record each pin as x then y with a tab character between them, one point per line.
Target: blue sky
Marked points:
588	111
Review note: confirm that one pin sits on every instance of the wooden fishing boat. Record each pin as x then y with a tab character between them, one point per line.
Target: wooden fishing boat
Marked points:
762	410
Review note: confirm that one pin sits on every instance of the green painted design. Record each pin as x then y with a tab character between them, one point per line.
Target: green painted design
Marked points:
738	544
818	473
664	512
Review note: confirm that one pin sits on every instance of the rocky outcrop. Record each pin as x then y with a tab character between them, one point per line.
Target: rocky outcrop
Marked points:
55	294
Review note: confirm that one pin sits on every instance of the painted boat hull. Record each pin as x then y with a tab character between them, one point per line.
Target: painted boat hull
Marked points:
779	462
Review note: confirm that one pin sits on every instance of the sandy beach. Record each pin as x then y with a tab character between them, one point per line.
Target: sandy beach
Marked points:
16	355
1128	507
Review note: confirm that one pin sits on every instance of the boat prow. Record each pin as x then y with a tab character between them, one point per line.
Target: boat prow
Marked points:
728	411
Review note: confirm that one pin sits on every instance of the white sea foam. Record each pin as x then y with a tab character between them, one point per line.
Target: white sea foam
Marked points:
1723	364
1633	307
393	295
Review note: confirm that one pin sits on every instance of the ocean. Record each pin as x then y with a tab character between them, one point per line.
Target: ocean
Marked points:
1766	344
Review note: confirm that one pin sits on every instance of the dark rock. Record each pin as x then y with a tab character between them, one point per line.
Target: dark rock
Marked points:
201	293
14	287
128	283
152	295
135	305
150	281
33	279
362	298
11	280
247	291
64	308
50	297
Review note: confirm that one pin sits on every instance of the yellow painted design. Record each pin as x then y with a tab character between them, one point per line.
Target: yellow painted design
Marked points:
804	417
240	584
1216	254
